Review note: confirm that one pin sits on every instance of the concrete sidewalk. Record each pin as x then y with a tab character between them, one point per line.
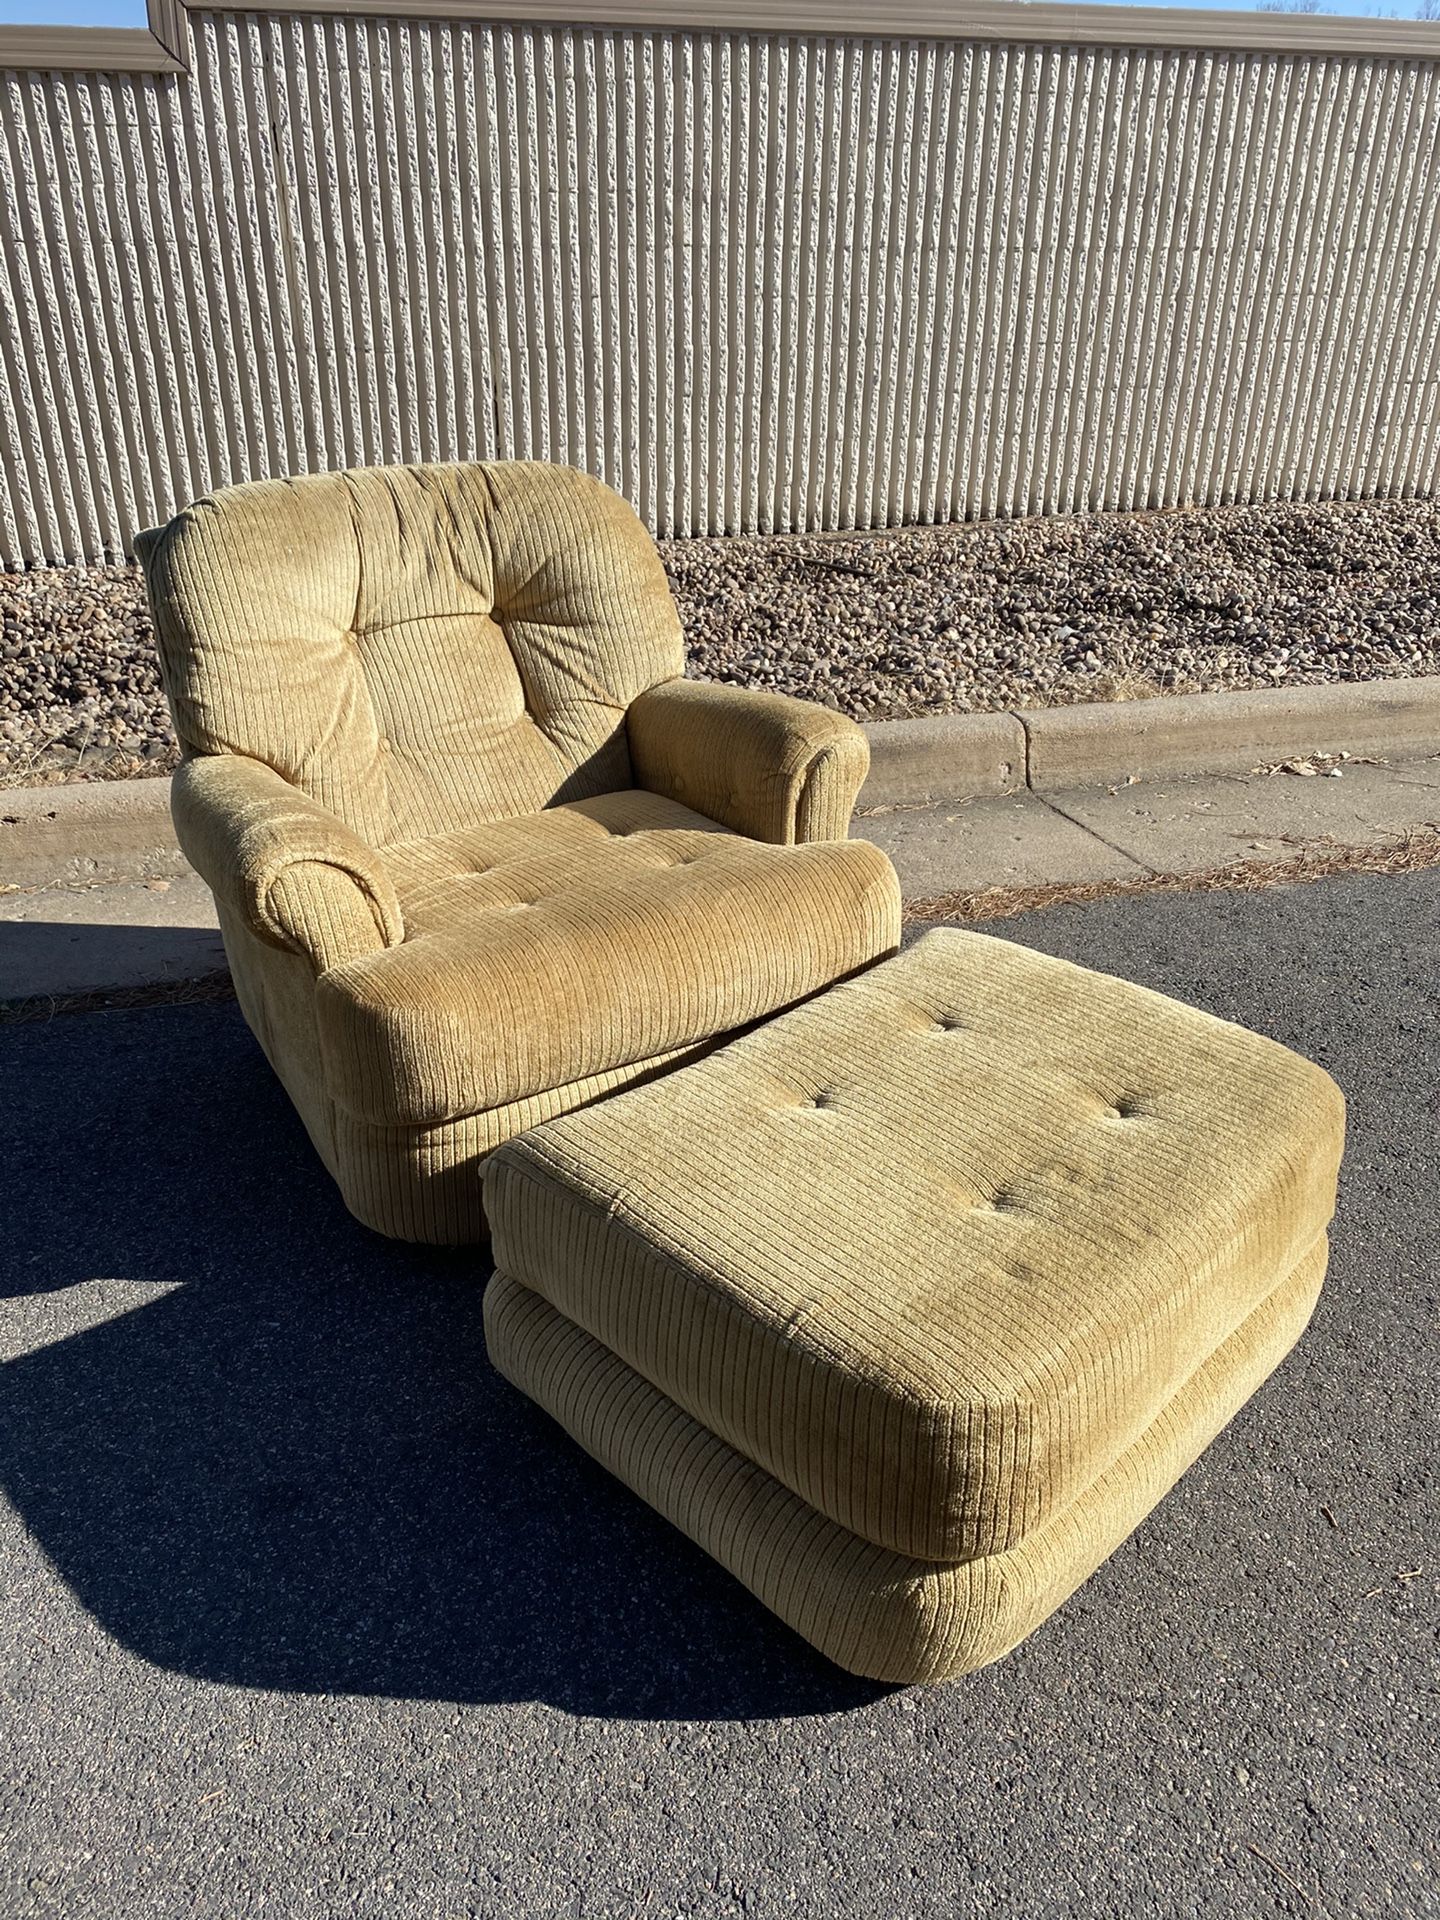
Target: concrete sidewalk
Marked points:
1025	840
75	938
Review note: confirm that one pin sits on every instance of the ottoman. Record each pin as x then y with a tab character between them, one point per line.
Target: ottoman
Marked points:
908	1305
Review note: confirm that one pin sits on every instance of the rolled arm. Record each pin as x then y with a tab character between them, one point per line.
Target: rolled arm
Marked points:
296	875
769	766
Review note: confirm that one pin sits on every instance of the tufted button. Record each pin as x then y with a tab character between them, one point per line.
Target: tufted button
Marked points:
949	1023
383	743
812	1102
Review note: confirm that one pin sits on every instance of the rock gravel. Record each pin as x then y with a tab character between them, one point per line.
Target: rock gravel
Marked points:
80	692
1030	613
953	619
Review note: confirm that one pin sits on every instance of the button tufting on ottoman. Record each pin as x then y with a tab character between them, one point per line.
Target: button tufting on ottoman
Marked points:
908	1305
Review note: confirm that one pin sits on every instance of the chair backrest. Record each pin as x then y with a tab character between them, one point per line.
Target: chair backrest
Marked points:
418	648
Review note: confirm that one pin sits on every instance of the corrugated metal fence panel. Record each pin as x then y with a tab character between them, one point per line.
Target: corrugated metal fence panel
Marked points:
754	282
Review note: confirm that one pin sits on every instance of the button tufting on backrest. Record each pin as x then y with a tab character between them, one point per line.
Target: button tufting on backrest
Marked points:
422	602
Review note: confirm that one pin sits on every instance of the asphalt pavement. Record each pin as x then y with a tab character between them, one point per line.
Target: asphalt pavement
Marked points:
305	1613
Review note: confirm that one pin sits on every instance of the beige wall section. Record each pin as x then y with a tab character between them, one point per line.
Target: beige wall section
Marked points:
753	281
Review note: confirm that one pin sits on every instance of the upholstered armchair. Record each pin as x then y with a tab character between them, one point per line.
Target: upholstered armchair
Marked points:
480	853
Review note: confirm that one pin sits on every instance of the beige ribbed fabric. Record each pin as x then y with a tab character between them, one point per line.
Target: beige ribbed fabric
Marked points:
248	830
871	1610
951	1241
417	648
573	946
749	764
454	899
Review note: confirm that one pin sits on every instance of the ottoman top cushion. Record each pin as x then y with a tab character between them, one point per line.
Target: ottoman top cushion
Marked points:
935	1247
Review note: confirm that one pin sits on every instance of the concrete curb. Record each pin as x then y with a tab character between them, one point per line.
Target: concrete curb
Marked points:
1054	749
120	830
91	831
1228	732
943	756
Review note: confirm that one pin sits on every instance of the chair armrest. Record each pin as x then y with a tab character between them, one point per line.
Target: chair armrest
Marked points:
296	875
768	766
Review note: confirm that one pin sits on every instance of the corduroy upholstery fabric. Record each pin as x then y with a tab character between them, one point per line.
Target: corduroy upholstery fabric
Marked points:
873	1611
954	1244
451	903
282	862
416	648
506	982
755	764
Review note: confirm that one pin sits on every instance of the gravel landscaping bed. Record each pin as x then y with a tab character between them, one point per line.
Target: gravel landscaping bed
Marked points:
960	619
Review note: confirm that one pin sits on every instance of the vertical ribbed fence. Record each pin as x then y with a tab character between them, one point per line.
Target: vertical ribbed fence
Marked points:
755	282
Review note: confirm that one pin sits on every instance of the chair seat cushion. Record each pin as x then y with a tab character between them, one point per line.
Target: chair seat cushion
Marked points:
589	937
935	1249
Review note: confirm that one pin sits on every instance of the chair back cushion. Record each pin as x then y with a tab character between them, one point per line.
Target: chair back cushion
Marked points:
419	648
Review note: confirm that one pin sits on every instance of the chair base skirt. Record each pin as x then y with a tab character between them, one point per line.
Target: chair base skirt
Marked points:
873	1611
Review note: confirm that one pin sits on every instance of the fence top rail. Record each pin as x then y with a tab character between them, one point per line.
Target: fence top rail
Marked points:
161	47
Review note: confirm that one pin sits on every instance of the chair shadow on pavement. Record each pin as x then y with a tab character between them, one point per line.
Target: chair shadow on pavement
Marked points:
296	1469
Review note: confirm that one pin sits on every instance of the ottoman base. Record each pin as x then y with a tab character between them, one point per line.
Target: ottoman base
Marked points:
873	1611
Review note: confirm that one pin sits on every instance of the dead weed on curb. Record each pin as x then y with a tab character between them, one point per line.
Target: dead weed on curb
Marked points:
209	989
